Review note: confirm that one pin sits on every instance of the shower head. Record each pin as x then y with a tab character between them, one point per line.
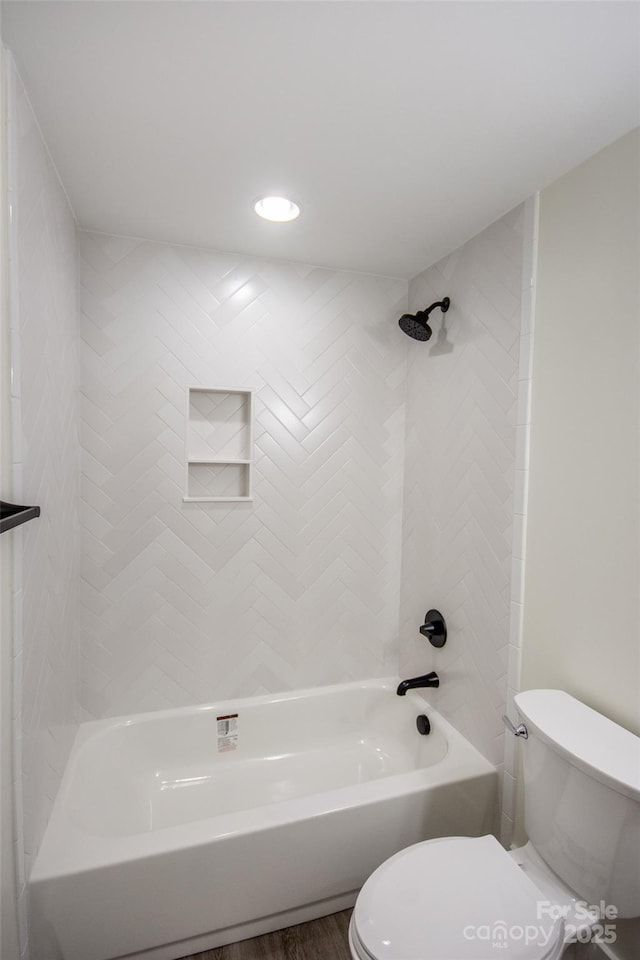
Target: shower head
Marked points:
416	326
418	329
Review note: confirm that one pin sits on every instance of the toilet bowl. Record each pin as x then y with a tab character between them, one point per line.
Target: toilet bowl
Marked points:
459	898
467	898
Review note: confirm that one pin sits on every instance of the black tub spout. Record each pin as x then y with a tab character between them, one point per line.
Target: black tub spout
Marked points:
429	680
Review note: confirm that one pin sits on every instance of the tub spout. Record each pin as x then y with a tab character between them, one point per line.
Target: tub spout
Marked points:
429	680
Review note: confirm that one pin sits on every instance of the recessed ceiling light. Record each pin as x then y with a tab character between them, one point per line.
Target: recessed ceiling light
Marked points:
278	209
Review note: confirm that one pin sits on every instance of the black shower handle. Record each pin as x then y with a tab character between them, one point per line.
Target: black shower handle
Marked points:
434	628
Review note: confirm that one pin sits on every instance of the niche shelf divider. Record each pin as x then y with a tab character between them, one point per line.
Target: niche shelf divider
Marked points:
219	445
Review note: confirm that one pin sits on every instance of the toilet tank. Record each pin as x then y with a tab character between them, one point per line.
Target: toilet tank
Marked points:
582	797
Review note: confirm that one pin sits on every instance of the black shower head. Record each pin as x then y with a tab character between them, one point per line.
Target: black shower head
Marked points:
418	329
416	326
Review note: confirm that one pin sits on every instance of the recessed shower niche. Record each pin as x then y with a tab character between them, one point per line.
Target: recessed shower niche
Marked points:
219	438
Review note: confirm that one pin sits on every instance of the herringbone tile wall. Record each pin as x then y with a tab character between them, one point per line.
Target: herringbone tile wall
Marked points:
184	603
46	455
462	393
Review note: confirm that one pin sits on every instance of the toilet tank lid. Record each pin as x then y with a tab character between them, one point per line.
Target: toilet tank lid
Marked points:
590	741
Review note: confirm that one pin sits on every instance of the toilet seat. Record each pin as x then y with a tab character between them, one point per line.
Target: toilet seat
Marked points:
453	899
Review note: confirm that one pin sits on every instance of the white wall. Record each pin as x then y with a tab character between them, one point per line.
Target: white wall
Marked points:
581	614
46	470
459	479
9	948
185	603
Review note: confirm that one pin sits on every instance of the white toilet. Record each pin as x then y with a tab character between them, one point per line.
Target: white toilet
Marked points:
466	898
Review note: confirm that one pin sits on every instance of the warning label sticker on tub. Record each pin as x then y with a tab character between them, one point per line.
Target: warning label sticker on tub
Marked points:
227	729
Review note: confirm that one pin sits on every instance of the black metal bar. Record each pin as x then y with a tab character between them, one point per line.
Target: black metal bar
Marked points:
13	514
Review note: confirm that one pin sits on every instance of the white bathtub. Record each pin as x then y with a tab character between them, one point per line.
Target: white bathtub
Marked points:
161	844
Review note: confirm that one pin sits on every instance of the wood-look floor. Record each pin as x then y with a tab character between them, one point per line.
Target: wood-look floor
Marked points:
323	939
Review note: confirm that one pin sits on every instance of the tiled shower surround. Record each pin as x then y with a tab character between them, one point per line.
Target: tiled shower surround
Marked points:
46	468
383	481
188	602
462	410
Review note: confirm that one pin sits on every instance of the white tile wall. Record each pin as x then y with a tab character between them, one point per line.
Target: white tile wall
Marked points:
46	455
462	395
185	603
529	262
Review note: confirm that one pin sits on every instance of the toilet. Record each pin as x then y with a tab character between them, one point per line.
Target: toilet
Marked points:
467	898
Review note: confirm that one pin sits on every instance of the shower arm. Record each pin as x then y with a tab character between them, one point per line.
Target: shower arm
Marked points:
424	314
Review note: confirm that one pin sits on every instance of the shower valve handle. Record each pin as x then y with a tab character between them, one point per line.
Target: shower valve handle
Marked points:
434	628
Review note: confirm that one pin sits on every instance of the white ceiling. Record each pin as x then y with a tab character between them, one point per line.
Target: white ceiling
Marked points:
402	128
